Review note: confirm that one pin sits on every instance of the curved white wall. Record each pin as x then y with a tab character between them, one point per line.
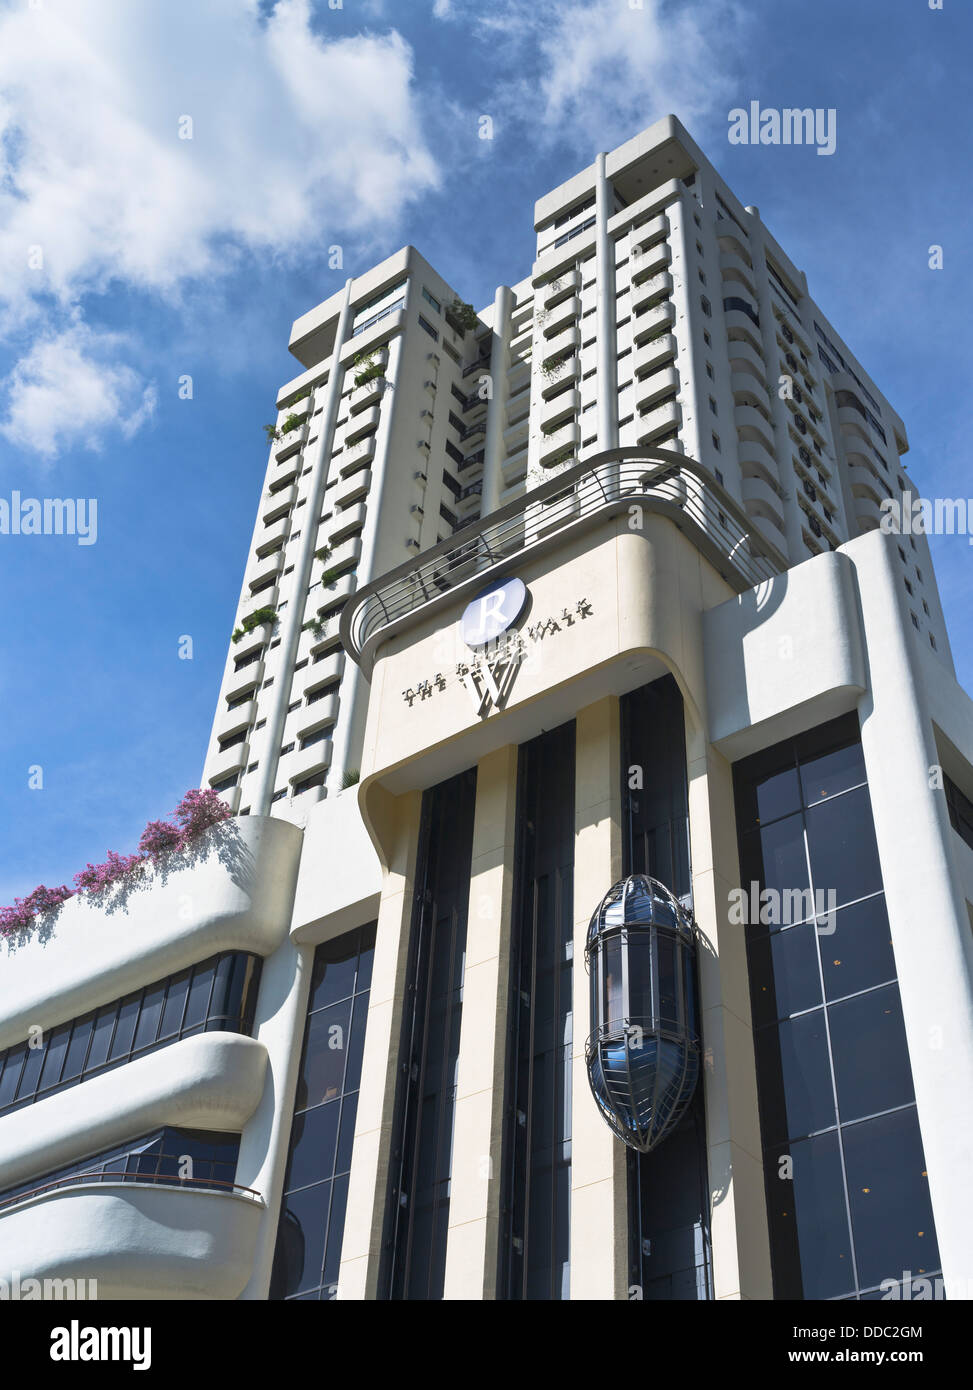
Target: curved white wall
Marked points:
142	1242
234	893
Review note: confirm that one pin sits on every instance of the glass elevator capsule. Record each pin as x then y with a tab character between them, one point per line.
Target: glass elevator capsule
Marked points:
643	1052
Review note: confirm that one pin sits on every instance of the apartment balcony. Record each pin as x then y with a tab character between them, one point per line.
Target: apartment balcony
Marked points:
747	390
351	460
273	536
306	762
658	421
267	567
565	313
651	291
737	322
288	469
339	588
733	243
278	503
768	527
653	323
236	719
226	764
318	716
653	353
370	393
653	261
864	482
373	338
761	500
516	433
649	389
567	341
240	682
347	521
567	283
559	445
750	420
291	442
743	355
756	460
353	488
474	428
324	671
868	512
558	407
651	232
735	271
569	369
364	423
515	467
137	1240
346	554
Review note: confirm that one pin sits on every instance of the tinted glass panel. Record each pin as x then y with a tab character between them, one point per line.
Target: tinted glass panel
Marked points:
795	1077
78	1048
809	1220
858	953
57	1046
890	1208
783	974
313	1143
871	1057
150	1016
841	844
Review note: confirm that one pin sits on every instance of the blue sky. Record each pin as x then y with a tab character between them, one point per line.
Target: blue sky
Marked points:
357	126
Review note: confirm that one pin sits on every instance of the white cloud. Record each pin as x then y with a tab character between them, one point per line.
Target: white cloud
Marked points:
68	387
299	139
598	71
442	9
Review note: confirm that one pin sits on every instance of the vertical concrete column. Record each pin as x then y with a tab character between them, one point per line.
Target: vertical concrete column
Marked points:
926	902
493	454
738	1212
607	363
350	728
291	625
282	1007
474	1203
365	1217
599	1199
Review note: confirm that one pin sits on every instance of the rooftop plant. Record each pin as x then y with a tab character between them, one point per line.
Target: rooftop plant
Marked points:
464	314
291	422
196	812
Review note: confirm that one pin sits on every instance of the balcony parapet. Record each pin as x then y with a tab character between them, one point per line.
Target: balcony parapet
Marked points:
659	480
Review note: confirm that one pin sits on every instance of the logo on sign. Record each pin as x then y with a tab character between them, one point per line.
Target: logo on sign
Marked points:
492	612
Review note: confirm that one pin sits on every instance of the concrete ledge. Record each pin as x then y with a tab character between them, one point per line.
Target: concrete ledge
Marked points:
234	892
784	656
211	1081
145	1242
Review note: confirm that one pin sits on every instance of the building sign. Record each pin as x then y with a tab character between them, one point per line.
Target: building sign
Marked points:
489	675
493	612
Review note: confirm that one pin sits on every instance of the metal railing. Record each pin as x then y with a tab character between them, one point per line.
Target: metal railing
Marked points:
660	480
138	1178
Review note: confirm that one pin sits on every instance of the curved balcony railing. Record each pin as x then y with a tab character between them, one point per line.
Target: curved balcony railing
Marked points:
659	480
139	1178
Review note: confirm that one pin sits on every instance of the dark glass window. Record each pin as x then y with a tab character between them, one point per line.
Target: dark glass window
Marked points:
417	1212
312	1214
157	1157
847	1194
960	810
131	1027
535	1251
